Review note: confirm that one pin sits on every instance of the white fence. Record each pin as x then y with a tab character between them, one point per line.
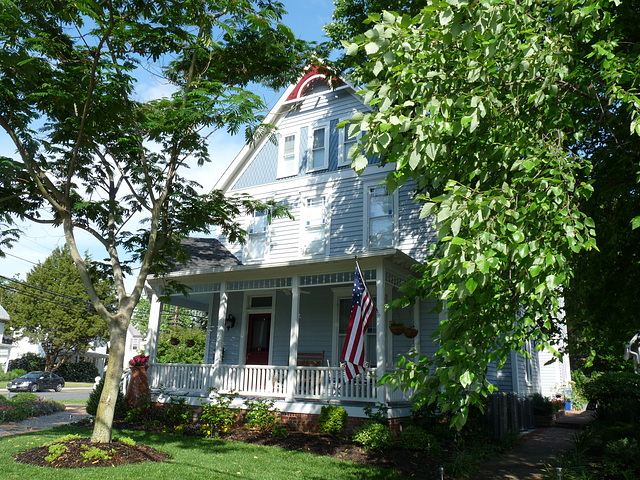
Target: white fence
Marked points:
315	383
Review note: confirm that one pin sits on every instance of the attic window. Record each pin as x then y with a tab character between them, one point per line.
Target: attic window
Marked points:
288	155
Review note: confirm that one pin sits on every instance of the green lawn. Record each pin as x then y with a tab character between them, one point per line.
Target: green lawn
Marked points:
67	385
194	458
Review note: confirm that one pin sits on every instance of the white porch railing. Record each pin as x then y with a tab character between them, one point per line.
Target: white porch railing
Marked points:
316	383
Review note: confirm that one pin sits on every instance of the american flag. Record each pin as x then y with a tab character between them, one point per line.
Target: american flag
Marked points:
362	309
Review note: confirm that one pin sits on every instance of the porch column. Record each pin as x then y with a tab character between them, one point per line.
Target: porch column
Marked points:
292	379
153	333
381	332
222	314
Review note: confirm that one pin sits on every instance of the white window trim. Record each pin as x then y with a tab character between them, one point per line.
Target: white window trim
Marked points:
343	159
325	163
281	173
394	218
303	224
342	293
267	242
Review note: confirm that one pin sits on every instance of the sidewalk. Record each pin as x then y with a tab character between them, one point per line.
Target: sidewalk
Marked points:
72	413
527	459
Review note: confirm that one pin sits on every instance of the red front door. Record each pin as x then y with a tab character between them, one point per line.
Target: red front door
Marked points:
258	336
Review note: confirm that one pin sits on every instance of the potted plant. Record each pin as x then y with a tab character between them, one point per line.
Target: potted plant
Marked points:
396	327
174	340
410	332
190	343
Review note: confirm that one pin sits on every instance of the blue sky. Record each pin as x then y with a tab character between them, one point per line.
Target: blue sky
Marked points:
306	18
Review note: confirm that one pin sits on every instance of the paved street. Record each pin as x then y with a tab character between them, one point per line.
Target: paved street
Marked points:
65	394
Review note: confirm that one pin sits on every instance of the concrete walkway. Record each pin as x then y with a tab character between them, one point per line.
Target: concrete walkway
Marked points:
527	460
72	413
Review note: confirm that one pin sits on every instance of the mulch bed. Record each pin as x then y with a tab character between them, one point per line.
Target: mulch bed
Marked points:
406	462
118	453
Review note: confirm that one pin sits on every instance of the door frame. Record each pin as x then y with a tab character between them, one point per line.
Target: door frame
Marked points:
246	311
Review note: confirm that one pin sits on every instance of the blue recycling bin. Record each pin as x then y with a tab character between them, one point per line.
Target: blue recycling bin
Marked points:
567	406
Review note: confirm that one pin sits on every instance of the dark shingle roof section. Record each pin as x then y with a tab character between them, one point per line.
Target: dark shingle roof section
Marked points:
206	254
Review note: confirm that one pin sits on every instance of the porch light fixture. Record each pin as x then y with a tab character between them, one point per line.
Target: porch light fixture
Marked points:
230	322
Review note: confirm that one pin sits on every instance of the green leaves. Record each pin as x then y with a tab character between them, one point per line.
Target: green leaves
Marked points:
492	128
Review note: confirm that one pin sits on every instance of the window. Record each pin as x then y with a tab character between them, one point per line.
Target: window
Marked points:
344	315
256	236
346	142
528	362
380	204
319	147
135	343
288	155
315	224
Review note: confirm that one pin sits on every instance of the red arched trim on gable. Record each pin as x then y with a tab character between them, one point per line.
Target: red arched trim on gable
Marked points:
314	73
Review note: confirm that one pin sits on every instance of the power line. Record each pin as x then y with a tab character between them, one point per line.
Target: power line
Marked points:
67	306
20	258
44	290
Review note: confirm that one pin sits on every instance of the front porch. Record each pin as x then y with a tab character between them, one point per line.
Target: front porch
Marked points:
277	313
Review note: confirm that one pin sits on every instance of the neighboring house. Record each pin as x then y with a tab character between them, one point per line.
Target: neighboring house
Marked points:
5	346
279	305
135	344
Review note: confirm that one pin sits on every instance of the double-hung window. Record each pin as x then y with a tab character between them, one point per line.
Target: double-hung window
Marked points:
314	236
288	154
318	147
380	221
346	142
256	246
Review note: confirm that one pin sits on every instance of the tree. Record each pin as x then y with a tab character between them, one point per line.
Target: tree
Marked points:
95	158
491	108
51	308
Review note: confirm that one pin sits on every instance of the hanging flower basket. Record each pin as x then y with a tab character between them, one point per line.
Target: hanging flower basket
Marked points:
190	343
410	332
174	341
396	329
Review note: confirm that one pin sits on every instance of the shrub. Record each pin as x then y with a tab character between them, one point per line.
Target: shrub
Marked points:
332	419
178	412
622	455
415	438
4	401
607	387
28	362
24	397
375	436
541	405
78	372
120	412
379	416
11	374
260	415
218	417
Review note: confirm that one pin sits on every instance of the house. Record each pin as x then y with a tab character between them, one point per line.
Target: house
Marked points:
278	306
5	347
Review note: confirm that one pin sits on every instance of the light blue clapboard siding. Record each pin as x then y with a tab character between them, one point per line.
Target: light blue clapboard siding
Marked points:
282	328
333	106
231	336
316	321
347	216
414	234
503	378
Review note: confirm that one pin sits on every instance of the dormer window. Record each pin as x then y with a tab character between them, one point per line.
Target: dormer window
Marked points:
288	154
319	147
314	232
256	245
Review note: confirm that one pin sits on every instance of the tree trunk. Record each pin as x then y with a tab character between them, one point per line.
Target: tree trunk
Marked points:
106	408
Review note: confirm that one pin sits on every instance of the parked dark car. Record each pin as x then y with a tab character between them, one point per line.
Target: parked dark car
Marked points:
35	381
